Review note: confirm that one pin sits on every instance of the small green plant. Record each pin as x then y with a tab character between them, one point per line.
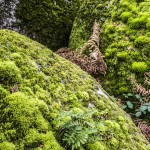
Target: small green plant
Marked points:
133	104
143	110
78	130
128	104
143	95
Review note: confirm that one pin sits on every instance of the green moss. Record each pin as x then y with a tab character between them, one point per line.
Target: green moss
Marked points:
110	28
148	24
97	146
123	89
122	55
3	92
142	40
7	146
138	22
46	86
44	141
84	96
124	38
9	73
24	115
110	52
114	143
125	16
139	66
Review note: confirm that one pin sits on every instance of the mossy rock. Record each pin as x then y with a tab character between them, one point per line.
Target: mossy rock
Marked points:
49	84
124	39
47	21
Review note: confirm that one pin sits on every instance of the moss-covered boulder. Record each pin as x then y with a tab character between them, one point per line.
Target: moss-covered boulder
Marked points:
125	39
47	21
40	87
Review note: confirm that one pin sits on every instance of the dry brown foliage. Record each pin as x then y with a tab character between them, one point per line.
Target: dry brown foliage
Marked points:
145	129
14	88
92	47
86	63
92	62
147	78
138	88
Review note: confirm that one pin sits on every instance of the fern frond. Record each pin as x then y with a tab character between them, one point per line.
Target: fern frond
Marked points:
138	88
147	78
78	131
144	127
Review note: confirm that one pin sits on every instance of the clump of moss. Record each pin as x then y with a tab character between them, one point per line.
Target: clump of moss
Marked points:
142	41
122	55
138	23
3	92
139	66
96	146
9	73
35	93
7	146
125	16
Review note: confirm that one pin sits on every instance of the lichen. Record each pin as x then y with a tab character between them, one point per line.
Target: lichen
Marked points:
40	87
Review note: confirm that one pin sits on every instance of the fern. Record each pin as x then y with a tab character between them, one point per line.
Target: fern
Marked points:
78	131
